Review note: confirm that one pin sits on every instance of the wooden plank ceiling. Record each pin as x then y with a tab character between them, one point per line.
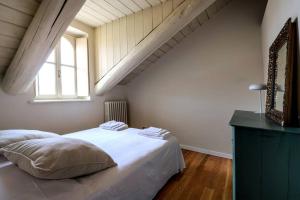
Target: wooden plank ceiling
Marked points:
116	39
15	17
209	13
122	55
98	12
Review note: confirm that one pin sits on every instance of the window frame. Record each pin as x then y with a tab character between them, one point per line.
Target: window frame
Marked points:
58	78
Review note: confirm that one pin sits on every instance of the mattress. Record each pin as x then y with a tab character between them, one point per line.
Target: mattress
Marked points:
144	166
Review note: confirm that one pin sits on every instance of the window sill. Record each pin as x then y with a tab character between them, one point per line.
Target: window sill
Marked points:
88	99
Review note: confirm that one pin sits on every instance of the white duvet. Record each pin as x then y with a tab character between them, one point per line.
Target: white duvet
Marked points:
144	166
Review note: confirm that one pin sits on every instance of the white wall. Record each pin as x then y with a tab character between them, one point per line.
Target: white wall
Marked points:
194	89
17	112
277	13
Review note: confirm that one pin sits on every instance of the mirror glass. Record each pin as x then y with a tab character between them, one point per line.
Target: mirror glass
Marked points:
280	78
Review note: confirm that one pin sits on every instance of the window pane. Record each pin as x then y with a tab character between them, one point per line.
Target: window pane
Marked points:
51	57
67	80
82	83
67	52
46	80
82	67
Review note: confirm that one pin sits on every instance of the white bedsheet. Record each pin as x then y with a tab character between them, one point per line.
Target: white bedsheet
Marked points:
144	166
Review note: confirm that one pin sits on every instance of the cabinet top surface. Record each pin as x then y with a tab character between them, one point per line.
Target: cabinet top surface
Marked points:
259	121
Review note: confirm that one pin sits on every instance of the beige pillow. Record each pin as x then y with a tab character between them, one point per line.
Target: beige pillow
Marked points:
11	136
57	158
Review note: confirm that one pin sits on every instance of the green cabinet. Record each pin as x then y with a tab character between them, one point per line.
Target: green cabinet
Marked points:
266	161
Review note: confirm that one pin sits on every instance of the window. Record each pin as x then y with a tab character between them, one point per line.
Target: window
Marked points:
65	73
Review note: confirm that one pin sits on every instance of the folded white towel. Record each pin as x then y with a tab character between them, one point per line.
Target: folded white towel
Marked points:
156	133
110	124
120	127
153	129
161	137
114	125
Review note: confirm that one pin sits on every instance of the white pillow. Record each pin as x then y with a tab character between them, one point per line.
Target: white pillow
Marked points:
11	136
57	158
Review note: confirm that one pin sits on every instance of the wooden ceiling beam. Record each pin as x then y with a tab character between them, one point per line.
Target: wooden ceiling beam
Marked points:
48	25
177	20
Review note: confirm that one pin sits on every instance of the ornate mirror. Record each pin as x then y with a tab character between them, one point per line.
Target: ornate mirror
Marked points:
281	78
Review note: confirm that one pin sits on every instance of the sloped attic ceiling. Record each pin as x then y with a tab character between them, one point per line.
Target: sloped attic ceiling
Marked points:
98	12
15	16
128	45
206	15
151	38
30	30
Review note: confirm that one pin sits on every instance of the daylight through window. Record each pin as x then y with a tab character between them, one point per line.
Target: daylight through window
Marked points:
65	73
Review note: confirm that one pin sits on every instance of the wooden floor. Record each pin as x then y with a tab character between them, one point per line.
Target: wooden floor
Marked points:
205	178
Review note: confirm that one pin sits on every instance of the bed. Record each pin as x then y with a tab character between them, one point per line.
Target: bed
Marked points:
144	167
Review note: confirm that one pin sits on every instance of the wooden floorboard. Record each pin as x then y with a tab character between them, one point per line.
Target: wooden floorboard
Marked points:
205	178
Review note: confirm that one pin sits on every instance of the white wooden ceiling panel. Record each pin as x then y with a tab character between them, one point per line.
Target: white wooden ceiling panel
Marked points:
142	3
154	2
9	42
90	10
131	5
15	17
11	30
110	8
26	6
102	8
121	7
4	62
7	52
88	19
106	11
175	40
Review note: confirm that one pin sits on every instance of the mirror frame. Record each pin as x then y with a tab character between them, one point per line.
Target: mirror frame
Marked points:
286	36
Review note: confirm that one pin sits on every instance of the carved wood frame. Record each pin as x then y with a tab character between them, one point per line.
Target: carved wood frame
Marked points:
286	36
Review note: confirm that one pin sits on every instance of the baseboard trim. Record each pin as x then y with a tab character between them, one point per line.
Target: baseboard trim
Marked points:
206	151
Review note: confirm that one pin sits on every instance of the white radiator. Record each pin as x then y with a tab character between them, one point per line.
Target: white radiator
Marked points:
116	110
